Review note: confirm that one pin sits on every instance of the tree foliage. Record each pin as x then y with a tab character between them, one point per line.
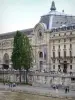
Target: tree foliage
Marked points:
22	53
16	54
27	56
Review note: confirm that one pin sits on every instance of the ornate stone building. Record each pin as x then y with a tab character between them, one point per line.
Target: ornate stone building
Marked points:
53	43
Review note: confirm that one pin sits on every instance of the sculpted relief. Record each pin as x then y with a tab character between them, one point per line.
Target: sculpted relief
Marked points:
6	43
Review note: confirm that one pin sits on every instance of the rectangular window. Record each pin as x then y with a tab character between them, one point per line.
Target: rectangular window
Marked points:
53	54
64	53
73	79
59	41
53	66
59	46
70	66
59	54
70	53
64	40
45	79
53	41
38	77
64	46
58	66
53	61
59	69
71	61
59	61
70	39
54	47
70	46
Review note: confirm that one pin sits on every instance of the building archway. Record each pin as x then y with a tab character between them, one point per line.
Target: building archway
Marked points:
6	61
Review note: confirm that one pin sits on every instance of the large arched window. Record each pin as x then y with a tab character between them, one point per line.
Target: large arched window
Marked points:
6	61
41	54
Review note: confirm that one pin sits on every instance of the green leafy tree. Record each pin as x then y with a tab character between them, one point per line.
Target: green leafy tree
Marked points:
27	55
16	54
22	53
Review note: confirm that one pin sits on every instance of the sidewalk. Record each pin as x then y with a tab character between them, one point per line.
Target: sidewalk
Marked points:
38	90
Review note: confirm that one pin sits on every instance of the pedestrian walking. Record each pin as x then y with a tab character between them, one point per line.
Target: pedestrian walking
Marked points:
68	88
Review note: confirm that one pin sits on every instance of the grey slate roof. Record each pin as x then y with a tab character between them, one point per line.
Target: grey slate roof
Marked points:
12	34
55	19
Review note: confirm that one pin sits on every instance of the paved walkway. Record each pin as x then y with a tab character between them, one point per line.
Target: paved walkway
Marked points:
39	90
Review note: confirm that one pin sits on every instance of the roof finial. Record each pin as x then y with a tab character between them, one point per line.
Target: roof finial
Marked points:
53	6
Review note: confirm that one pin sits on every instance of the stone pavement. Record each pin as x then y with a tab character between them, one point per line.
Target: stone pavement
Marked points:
38	90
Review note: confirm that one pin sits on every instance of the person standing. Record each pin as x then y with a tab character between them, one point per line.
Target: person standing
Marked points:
66	90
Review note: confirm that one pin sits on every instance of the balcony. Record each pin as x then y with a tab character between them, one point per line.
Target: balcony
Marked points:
62	57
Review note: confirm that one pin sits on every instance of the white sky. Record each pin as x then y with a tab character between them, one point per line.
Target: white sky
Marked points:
23	14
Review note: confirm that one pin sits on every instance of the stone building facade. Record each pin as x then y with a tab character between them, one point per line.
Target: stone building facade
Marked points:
54	56
53	44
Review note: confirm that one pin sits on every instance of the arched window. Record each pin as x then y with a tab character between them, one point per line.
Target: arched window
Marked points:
40	33
40	54
6	61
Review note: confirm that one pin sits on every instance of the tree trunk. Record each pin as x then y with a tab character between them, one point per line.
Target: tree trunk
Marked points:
20	76
26	77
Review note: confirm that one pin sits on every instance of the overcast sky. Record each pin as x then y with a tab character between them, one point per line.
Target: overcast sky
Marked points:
23	14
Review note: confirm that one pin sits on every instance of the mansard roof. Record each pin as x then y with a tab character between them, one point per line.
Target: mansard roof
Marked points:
55	19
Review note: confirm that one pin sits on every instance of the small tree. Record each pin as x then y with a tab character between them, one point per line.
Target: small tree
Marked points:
27	57
17	50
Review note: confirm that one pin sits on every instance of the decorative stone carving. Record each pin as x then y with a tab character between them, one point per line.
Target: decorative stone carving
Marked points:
40	26
6	43
39	30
